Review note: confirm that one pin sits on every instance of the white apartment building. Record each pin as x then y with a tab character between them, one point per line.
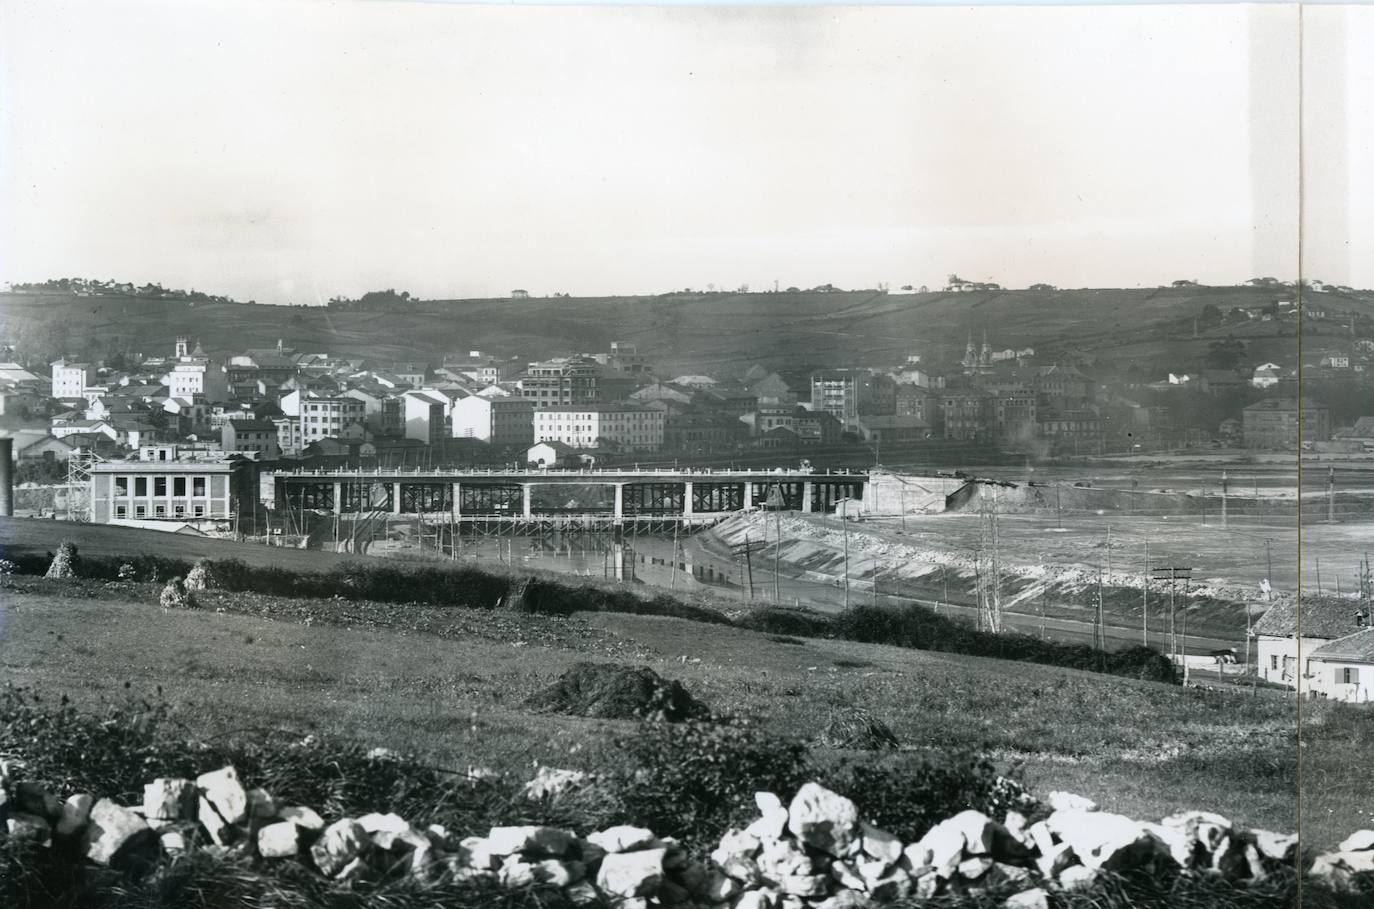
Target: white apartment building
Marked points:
193	374
327	417
500	421
626	426
69	380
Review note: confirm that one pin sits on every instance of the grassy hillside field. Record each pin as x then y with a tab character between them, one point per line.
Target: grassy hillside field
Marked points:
451	684
723	331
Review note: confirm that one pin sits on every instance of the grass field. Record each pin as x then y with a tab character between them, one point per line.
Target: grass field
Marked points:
451	683
456	696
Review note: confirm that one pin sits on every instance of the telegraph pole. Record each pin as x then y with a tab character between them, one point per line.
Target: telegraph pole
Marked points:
1145	598
1330	495
1223	499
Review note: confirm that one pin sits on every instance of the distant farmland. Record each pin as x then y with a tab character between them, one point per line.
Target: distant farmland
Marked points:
724	332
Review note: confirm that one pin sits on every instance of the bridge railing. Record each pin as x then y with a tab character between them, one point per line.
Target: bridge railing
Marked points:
399	472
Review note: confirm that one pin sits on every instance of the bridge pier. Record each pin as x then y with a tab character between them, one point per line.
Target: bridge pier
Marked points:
338	496
457	502
687	499
525	511
619	511
396	497
807	487
748	494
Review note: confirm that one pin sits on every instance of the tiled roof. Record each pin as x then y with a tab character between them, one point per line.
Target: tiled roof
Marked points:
1322	617
1357	647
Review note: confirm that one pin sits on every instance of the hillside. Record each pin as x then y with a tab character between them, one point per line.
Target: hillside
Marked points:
717	331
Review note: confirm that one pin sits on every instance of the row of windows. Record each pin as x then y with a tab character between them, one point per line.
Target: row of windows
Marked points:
159	486
159	511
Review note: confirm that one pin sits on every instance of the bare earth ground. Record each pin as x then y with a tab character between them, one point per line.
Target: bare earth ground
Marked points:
1141	748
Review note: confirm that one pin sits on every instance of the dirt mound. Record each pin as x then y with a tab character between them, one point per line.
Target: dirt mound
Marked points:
615	692
855	727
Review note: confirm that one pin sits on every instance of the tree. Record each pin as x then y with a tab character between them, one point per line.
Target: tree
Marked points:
1184	282
1041	287
1211	316
1227	354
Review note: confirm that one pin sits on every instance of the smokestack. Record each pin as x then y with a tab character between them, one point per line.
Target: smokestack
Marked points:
6	477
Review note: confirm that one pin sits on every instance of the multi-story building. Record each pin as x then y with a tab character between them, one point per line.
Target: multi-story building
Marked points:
499	421
1076	429
836	391
574	380
1273	423
1014	414
258	436
325	417
162	490
288	434
921	402
629	427
426	412
69	380
966	413
193	375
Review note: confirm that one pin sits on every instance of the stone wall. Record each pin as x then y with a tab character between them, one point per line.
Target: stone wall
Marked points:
815	851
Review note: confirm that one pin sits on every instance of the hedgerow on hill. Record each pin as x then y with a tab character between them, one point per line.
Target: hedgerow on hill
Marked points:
467	587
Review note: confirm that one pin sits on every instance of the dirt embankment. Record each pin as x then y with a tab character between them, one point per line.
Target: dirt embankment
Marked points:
935	564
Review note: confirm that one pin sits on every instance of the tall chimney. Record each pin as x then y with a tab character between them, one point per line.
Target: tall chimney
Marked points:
6	477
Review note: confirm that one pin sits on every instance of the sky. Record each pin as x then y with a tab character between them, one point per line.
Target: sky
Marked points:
293	150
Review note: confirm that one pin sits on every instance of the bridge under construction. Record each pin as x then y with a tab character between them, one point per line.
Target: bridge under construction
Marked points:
496	501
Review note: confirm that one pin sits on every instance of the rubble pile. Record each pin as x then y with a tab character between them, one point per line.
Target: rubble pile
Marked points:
816	852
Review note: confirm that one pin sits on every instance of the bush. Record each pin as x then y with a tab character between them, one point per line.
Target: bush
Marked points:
857	728
776	620
614	692
695	780
907	794
922	629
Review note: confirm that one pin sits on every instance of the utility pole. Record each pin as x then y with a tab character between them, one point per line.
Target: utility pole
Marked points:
1330	495
844	522
1172	575
672	583
1268	569
1223	499
1145	597
747	549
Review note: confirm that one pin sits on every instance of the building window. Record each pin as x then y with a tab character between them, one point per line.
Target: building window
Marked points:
160	511
1350	676
179	486
121	511
198	486
140	511
179	510
159	486
199	511
121	486
140	486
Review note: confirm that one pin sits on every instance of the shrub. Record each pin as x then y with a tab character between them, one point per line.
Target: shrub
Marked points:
614	692
695	780
906	794
856	727
922	629
65	563
776	620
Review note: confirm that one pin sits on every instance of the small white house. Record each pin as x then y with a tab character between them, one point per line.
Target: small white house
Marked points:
1343	670
551	454
1283	655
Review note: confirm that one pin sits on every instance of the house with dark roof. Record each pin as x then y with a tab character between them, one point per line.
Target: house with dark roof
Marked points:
1343	669
1286	640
